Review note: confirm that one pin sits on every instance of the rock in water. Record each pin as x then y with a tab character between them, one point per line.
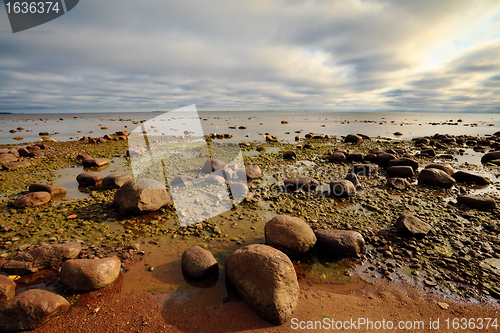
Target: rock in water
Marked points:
33	199
265	279
89	178
52	189
141	196
341	243
290	235
435	177
43	257
7	289
467	177
90	274
408	224
198	263
95	162
116	180
30	310
481	203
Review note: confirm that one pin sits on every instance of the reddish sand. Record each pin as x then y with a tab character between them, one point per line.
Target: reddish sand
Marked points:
113	310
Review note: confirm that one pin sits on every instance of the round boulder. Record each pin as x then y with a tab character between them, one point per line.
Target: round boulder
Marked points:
289	234
90	274
116	180
198	263
265	279
441	166
435	177
89	178
33	199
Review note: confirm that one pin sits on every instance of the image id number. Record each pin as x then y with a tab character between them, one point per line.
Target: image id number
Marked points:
32	7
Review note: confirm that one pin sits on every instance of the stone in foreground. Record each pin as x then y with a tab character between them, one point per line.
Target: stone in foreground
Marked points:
198	263
7	289
266	281
33	199
435	177
477	202
90	274
341	243
289	234
141	196
52	189
89	178
43	257
407	224
30	310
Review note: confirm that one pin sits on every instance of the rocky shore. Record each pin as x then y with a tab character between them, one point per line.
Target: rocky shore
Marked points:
402	210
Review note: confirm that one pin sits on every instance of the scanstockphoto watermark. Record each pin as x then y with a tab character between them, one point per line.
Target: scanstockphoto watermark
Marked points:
354	324
25	15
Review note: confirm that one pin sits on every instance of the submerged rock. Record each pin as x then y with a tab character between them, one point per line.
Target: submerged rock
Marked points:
340	243
89	178
52	189
30	310
90	274
291	235
265	279
407	224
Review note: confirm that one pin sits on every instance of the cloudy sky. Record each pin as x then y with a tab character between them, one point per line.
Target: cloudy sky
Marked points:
424	55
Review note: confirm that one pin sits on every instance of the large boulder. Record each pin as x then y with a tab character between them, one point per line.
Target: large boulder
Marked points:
30	310
116	180
212	165
52	189
90	274
477	202
410	225
340	243
289	234
7	289
265	279
301	183
467	177
42	257
435	177
495	155
89	178
400	171
141	196
33	199
198	263
441	166
342	188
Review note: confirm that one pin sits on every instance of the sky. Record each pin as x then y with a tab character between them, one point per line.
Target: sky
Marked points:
426	55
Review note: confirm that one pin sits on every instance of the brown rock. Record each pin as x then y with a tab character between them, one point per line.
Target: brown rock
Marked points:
468	177
291	235
398	183
404	162
435	177
141	196
52	189
95	162
482	203
15	165
407	224
212	165
337	157
353	138
182	181
89	178
33	199
30	310
342	188
301	183
7	289
441	166
400	171
198	263
116	180
289	155
5	158
365	170
266	281
90	274
341	243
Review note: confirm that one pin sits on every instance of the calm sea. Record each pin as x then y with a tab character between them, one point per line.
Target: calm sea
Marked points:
71	126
